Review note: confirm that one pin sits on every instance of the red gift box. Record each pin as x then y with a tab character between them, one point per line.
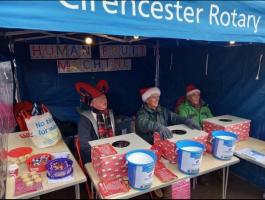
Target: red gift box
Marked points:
168	147
108	164
237	125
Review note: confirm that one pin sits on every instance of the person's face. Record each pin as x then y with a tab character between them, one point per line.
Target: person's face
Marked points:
153	101
100	102
195	98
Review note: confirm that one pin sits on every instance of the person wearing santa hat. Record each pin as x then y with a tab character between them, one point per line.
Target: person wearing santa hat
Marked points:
194	107
154	118
98	121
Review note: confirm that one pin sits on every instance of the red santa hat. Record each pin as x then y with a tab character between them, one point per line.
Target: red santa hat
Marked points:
191	89
86	89
147	92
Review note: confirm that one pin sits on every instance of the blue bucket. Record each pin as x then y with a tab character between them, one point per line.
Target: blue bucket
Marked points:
189	156
141	165
223	144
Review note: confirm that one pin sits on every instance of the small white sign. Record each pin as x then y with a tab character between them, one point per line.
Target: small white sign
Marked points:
89	65
41	51
122	51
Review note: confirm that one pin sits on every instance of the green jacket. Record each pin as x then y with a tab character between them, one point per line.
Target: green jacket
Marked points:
148	121
197	115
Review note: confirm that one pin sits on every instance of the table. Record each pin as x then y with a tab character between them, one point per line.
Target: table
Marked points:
209	164
79	177
251	143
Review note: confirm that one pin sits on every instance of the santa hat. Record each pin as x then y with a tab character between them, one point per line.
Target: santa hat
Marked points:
147	92
85	89
191	89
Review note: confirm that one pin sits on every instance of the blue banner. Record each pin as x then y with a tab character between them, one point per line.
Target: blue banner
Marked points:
242	21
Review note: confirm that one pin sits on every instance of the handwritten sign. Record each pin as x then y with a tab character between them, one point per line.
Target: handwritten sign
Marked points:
122	51
89	65
59	51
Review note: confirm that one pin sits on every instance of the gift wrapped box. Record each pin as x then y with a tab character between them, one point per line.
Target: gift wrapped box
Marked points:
108	155
237	125
180	132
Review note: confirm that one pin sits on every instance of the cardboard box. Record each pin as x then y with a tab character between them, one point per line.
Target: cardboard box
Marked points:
237	125
109	161
180	132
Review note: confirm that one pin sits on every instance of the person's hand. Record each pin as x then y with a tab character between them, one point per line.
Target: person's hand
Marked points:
192	125
165	133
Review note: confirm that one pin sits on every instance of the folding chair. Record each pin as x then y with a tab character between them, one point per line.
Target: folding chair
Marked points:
80	162
22	106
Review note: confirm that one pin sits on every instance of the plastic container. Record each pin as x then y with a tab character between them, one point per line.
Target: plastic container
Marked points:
59	168
13	170
141	165
223	144
38	162
189	156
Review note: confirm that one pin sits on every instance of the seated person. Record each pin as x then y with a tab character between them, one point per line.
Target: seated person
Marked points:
98	121
154	118
193	106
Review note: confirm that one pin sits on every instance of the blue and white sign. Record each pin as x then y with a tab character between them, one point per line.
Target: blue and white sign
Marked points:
242	21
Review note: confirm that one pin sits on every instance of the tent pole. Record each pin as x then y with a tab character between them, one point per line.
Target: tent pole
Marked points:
157	64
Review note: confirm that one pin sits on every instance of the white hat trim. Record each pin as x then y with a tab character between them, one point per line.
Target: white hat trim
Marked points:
193	91
149	92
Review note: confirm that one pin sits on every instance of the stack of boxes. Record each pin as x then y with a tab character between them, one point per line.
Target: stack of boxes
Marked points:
109	161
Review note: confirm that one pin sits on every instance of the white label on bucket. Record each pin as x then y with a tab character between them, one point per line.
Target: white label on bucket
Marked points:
140	158
143	179
224	151
190	164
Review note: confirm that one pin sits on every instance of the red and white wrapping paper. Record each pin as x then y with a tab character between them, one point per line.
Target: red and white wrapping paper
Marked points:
108	164
112	187
163	173
181	189
168	148
239	126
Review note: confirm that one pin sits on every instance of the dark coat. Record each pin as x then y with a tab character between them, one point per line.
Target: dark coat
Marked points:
87	131
148	121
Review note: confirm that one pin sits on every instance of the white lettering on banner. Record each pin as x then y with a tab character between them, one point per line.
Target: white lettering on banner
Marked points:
188	12
59	51
76	6
122	51
234	19
169	10
88	65
114	3
157	7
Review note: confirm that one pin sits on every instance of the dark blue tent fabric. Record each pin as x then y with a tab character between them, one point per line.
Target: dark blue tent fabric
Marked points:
40	82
